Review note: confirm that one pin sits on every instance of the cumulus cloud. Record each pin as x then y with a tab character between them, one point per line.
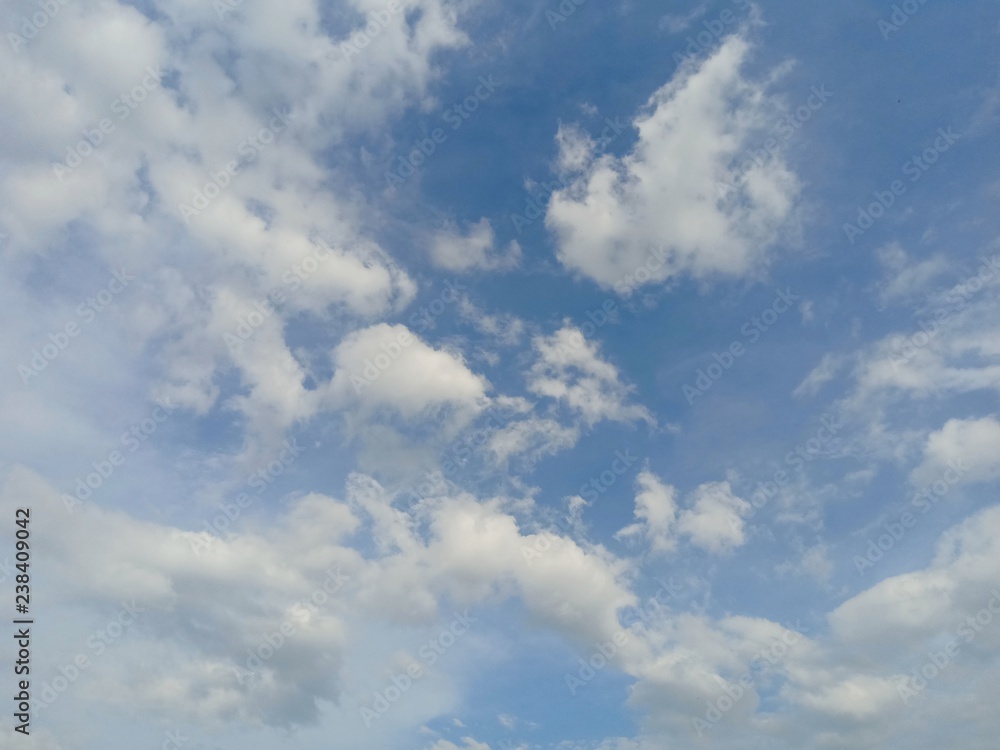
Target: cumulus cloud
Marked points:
229	178
207	603
389	367
670	191
714	521
917	607
204	605
969	446
206	173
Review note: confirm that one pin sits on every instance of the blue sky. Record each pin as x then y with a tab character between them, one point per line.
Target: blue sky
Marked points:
681	309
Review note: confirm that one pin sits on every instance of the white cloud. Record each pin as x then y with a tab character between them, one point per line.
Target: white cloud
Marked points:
576	149
907	609
531	439
389	367
968	446
505	328
667	190
949	351
198	281
656	511
569	368
474	547
217	84
202	602
714	521
474	249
